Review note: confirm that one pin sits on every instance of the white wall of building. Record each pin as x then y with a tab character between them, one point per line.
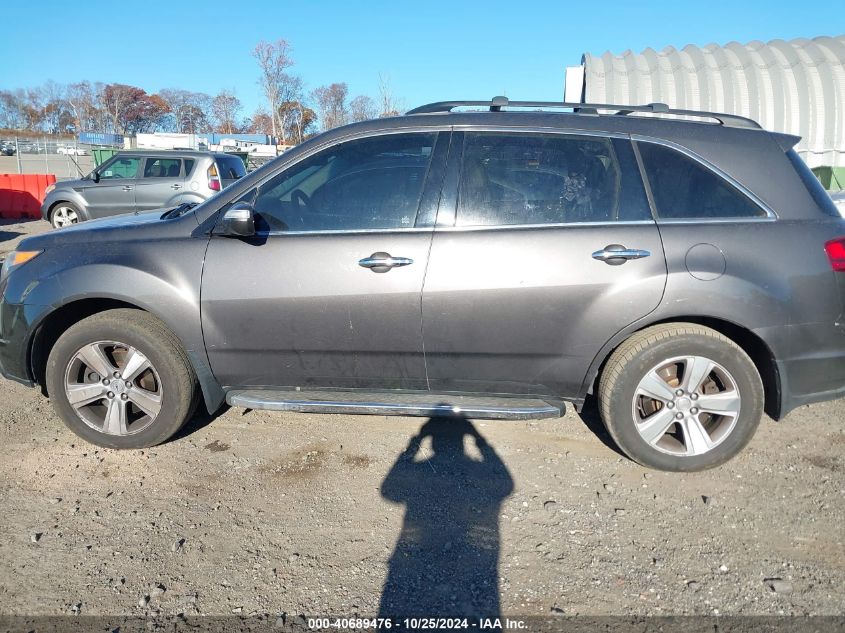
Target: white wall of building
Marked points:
795	86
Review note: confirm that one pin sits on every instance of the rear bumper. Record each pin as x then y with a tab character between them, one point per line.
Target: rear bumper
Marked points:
813	369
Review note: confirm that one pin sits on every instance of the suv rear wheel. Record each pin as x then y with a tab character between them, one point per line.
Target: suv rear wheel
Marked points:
120	379
680	396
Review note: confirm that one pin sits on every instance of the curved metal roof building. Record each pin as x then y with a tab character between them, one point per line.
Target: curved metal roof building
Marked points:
796	87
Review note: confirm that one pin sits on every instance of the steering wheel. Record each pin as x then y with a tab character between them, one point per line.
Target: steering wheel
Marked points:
301	199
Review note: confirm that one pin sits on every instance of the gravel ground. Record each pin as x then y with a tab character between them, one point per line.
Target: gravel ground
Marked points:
13	231
268	513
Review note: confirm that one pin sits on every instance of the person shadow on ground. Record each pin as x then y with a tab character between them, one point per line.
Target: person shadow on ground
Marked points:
446	561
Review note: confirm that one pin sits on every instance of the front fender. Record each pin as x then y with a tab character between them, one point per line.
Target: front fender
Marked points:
64	195
163	279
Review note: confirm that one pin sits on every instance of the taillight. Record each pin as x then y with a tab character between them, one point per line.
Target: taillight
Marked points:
835	250
213	178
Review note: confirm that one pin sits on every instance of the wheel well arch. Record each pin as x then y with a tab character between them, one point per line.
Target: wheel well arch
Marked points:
53	205
56	323
756	348
59	320
65	200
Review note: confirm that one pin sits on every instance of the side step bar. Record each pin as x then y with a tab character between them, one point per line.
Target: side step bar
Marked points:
411	404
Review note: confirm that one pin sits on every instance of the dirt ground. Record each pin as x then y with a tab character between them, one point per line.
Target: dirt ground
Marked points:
270	513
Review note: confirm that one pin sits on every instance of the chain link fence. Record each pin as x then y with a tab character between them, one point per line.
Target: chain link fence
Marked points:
44	155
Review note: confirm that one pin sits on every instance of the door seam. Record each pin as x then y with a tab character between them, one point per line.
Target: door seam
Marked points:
428	258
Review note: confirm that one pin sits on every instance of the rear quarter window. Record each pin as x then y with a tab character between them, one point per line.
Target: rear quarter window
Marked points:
814	187
684	189
230	167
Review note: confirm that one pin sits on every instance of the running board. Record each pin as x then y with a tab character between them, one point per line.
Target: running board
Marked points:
412	404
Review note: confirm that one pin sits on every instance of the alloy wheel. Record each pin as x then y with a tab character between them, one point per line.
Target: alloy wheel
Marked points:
686	405
113	388
64	216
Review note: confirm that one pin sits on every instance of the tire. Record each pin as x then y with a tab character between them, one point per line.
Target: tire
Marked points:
148	408
64	214
711	418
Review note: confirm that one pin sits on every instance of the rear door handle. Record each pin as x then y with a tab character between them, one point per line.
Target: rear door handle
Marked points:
383	262
175	186
616	254
128	187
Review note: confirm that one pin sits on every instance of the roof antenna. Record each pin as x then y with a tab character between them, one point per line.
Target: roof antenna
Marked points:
497	103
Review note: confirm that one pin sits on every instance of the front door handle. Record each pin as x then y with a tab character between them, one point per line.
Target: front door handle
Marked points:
175	186
616	254
128	187
383	262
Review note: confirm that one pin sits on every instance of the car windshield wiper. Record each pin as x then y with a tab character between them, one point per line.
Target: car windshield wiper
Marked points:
182	209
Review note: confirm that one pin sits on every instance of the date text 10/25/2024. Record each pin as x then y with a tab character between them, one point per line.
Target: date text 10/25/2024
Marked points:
416	623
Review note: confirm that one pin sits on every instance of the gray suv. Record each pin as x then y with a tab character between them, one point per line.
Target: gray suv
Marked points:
140	181
684	274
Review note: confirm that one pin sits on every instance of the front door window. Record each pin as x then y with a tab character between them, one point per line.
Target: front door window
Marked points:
122	167
366	184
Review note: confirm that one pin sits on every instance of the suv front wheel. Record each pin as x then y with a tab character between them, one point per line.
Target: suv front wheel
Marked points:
681	397
120	379
64	214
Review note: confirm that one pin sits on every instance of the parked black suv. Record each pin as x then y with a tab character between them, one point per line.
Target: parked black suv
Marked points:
493	263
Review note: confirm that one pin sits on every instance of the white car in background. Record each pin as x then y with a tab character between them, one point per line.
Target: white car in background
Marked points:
71	151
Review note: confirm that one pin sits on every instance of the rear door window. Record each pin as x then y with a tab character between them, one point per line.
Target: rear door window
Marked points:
511	179
162	168
231	167
684	189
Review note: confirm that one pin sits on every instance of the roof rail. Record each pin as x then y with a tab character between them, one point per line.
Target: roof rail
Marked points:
497	103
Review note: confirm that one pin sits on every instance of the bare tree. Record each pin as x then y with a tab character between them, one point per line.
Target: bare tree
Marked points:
116	99
290	96
179	102
362	108
55	116
189	110
12	110
273	59
298	119
390	106
82	99
331	101
33	107
260	123
225	108
101	112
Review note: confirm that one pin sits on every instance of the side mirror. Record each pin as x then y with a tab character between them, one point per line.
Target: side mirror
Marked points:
95	176
239	220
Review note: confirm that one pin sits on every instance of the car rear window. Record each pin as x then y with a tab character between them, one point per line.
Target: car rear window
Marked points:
189	165
685	189
231	167
814	187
